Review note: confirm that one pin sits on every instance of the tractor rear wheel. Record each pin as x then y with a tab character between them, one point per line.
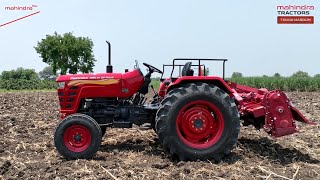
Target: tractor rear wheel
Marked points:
198	121
78	136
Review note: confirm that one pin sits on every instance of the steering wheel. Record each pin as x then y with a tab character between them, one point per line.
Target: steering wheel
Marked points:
186	69
152	68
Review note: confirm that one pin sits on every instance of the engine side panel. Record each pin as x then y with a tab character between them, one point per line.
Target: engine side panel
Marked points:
102	85
79	86
71	95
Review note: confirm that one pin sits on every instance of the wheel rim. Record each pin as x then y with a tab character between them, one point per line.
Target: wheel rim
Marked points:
199	124
77	138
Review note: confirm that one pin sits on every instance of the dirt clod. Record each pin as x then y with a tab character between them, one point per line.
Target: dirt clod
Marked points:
4	167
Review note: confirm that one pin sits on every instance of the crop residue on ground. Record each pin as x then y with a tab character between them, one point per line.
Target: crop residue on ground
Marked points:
28	120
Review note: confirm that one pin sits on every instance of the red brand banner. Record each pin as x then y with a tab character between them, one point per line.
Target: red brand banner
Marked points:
295	20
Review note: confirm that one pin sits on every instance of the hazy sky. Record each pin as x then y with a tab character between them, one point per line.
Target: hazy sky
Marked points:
245	32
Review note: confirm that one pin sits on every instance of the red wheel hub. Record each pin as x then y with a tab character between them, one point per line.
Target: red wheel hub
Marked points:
77	138
199	124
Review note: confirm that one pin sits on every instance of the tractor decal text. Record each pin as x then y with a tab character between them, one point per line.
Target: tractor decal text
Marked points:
92	77
94	82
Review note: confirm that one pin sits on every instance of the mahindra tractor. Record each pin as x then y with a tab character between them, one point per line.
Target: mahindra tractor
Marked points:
196	116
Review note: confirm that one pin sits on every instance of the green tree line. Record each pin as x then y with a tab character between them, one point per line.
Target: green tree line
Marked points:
20	79
298	81
64	53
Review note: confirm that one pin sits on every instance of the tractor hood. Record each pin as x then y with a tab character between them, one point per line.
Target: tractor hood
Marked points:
94	76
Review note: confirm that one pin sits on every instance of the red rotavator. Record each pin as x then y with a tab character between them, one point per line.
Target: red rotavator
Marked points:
195	116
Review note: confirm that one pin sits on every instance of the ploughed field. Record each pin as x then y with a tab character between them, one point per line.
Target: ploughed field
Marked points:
28	120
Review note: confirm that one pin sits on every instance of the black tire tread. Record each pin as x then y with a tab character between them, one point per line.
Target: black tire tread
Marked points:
188	90
82	155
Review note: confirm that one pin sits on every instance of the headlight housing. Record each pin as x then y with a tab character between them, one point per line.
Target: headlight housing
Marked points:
61	85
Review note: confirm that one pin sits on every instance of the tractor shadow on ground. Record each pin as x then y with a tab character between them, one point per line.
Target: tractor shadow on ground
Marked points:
147	147
264	147
153	148
260	148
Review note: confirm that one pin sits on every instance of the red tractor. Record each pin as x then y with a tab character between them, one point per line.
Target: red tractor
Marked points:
195	116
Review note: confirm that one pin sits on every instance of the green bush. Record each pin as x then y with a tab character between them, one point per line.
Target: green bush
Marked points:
19	73
21	84
282	83
155	82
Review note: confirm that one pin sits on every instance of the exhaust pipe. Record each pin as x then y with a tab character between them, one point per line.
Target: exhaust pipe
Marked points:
109	66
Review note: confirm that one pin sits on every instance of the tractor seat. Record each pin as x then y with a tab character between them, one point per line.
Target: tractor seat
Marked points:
190	73
186	70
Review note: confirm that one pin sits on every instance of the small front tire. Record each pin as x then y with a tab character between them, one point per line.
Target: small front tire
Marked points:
78	136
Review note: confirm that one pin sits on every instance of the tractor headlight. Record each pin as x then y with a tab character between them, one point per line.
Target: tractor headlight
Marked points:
61	85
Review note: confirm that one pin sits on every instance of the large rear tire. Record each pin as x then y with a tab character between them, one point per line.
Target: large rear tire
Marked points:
198	121
78	136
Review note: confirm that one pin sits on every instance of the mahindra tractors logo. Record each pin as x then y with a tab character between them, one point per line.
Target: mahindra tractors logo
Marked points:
295	14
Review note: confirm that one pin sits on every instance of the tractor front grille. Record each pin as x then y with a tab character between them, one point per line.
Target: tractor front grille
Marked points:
67	97
72	93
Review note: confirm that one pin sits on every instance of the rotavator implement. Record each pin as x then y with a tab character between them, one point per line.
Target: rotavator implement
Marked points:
195	116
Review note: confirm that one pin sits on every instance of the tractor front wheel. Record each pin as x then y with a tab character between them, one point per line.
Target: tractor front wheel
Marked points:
78	136
198	121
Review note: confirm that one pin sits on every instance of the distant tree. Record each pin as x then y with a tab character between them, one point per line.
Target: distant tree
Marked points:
264	76
277	75
47	74
317	76
206	71
20	73
236	75
300	74
67	53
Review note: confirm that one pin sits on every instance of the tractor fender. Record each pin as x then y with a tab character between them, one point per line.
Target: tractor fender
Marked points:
217	81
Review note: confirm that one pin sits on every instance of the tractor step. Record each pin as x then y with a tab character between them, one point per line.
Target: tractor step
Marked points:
145	126
121	124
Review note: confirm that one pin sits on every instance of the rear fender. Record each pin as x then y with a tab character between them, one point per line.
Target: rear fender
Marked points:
217	81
